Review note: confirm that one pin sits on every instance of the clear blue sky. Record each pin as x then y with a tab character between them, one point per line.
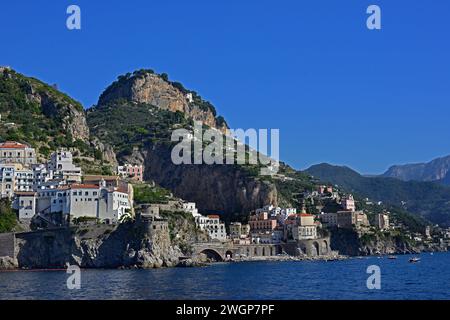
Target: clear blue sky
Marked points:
337	91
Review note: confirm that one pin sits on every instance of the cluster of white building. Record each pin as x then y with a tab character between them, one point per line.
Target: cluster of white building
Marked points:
211	224
53	191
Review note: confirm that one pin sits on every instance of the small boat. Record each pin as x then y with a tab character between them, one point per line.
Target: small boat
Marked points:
414	260
392	257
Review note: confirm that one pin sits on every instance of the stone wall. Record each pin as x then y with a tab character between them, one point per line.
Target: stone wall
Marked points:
311	248
7	245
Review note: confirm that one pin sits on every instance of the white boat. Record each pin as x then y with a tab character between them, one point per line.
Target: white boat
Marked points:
414	260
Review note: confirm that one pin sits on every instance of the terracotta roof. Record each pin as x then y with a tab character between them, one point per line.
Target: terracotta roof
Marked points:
305	215
12	145
120	189
84	186
213	216
99	177
25	193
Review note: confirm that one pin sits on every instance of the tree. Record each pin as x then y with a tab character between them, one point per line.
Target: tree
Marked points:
8	218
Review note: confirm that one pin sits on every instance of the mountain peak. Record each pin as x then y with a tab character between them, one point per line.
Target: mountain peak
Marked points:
147	87
437	170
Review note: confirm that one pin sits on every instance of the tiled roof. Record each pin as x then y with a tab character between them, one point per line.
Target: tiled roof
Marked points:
25	193
213	216
99	177
84	186
12	145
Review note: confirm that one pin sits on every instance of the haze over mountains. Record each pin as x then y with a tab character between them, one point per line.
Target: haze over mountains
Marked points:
437	170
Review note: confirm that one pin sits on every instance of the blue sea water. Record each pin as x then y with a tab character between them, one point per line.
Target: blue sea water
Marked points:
428	279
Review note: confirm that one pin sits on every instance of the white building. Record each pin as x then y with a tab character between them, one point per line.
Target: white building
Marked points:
41	175
191	208
84	200
23	180
15	152
212	225
61	163
7	180
25	203
275	236
13	178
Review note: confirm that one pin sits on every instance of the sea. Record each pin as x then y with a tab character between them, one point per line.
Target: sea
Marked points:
367	278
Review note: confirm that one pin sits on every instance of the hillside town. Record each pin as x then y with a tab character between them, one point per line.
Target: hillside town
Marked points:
57	193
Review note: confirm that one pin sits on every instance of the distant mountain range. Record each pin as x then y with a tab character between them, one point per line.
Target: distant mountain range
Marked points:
437	170
427	199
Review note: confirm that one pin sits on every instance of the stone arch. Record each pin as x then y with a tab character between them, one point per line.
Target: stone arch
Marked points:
324	247
315	248
229	254
212	255
302	249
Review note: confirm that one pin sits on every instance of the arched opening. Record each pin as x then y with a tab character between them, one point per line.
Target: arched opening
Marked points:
263	251
324	247
315	249
229	254
212	255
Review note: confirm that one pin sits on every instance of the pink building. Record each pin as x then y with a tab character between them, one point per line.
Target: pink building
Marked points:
261	223
134	172
348	203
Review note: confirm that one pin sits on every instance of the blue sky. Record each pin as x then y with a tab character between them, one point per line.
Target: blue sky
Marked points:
337	91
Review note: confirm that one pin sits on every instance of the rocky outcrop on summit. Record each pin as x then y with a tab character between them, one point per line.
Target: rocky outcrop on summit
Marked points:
149	88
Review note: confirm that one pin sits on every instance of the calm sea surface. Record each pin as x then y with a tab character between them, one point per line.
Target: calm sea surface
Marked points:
428	279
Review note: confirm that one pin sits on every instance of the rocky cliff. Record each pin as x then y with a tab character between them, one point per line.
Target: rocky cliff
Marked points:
136	116
349	242
98	246
224	189
147	87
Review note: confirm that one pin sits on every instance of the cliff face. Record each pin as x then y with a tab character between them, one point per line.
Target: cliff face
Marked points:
101	246
136	116
437	170
224	189
150	88
348	242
